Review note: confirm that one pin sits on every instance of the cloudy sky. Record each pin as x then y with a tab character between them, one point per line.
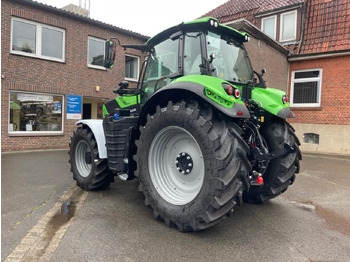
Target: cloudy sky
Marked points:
144	17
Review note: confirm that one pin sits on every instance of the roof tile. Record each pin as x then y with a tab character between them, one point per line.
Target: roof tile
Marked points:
327	26
331	31
232	9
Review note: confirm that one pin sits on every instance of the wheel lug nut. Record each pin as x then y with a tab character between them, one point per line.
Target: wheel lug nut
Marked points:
190	164
188	158
187	171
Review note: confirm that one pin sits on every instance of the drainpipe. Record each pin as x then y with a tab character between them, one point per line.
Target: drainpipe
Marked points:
303	25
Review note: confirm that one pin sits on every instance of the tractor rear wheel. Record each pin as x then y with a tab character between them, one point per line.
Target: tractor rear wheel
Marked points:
280	172
192	165
89	171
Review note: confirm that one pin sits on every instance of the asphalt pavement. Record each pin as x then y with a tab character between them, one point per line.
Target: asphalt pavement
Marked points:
45	217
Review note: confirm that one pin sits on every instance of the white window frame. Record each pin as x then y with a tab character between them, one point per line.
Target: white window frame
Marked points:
275	29
35	133
138	68
295	26
38	39
104	52
305	80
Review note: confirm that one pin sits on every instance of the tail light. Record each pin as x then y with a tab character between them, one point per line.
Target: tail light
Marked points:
285	99
237	93
230	90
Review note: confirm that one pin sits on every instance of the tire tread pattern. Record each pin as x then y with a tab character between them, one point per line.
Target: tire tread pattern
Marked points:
281	171
227	165
100	176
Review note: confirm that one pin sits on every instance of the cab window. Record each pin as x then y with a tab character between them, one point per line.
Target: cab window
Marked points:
162	61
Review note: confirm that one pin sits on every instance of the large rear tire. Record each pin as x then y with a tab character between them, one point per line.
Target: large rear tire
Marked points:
89	171
280	173
192	165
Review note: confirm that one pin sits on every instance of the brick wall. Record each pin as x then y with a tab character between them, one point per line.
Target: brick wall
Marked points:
335	92
72	77
264	56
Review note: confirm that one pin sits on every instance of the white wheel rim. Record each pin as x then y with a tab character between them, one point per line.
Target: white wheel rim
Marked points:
83	167
176	165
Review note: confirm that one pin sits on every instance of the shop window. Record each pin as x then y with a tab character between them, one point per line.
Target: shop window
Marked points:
268	26
35	113
131	67
96	53
306	88
288	26
37	40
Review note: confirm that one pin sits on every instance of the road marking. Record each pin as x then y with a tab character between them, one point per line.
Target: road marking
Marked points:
43	239
27	216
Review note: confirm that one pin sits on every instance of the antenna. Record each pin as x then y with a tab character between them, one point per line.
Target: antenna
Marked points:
86	5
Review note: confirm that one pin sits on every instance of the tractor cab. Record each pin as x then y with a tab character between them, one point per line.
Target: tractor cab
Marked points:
201	48
193	51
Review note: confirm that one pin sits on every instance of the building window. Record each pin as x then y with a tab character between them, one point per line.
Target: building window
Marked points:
288	26
37	40
131	67
311	138
268	26
306	88
35	113
96	53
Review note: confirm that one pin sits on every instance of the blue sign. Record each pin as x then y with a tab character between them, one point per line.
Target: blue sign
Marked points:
73	107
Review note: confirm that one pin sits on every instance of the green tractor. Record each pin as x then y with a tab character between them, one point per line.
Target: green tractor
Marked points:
202	132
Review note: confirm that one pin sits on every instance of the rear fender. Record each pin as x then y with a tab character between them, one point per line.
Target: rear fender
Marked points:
272	101
96	127
168	92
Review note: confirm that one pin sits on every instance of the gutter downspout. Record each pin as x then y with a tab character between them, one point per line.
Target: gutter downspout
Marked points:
303	26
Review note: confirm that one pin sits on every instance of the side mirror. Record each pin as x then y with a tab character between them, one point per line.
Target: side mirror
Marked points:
110	53
263	71
124	85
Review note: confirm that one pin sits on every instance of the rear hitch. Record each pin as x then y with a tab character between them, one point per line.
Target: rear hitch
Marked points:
256	179
282	152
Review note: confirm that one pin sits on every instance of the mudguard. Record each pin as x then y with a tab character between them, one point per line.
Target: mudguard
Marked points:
213	93
271	100
96	128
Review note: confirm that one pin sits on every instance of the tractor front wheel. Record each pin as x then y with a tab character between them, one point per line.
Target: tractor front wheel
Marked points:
89	171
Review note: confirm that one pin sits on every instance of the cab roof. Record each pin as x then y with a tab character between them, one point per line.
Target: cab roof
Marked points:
205	23
199	24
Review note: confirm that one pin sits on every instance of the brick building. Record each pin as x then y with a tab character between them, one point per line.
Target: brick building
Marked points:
52	72
317	35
